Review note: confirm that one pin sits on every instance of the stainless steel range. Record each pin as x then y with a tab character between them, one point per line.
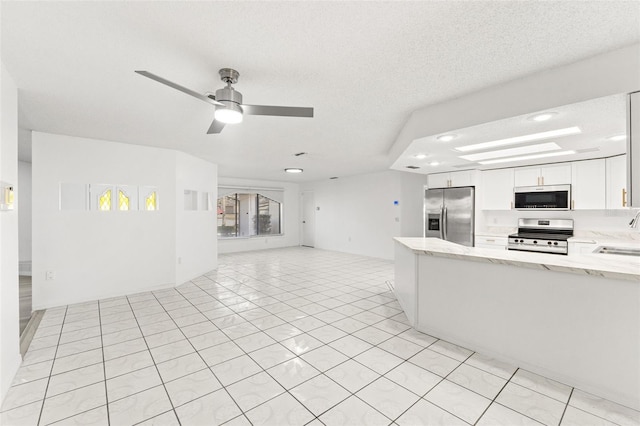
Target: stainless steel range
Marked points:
542	235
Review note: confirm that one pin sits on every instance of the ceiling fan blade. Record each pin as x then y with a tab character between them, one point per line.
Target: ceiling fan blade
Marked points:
179	87
216	127
277	110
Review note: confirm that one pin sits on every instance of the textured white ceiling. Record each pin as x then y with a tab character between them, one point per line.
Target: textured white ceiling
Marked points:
364	66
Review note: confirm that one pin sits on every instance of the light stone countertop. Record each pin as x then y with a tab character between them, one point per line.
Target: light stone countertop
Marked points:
602	265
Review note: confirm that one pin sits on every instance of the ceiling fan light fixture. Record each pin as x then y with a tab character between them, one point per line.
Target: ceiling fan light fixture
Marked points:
232	114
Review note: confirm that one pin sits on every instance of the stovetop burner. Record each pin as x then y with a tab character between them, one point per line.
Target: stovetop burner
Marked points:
542	235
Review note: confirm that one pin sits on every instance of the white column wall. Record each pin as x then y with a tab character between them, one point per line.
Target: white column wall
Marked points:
196	239
9	307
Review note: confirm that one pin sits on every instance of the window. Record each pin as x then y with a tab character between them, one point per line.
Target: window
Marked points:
150	202
104	201
248	215
123	200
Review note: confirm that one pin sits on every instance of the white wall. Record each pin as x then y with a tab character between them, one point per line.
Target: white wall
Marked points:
357	213
9	316
412	219
290	218
196	240
99	254
606	74
96	254
24	212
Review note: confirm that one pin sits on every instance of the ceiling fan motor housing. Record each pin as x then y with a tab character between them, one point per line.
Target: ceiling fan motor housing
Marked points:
229	94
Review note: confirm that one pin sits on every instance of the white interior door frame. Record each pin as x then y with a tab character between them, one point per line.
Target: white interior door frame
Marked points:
308	219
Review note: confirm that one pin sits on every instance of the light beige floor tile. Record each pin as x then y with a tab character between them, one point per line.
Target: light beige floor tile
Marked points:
74	402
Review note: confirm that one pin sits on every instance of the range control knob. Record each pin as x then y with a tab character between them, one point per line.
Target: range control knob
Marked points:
535	242
555	244
549	242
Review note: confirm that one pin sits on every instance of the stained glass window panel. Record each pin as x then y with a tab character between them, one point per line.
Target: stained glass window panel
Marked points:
104	201
150	202
123	200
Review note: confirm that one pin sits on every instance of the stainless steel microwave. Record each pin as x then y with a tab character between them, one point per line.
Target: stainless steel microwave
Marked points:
547	197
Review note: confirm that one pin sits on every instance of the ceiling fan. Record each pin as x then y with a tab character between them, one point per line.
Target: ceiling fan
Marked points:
228	101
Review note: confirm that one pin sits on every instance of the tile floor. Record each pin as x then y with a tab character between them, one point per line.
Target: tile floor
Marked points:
282	337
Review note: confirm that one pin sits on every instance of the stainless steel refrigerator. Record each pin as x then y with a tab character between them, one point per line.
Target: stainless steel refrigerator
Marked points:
449	214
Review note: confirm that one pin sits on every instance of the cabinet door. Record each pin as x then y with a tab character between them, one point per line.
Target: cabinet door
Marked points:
527	176
588	184
616	182
462	178
559	174
497	189
438	180
496	243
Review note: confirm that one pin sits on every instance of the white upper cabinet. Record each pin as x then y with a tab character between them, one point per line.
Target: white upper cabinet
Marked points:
497	189
616	171
588	179
438	180
553	174
452	179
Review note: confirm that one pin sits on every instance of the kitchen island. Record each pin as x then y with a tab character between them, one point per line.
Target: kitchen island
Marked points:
575	319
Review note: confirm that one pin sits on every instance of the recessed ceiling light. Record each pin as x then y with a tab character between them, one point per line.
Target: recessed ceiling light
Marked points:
544	116
293	170
617	138
527	157
434	163
447	138
519	139
420	156
510	152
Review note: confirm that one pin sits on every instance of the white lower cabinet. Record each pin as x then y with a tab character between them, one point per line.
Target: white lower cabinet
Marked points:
485	241
582	247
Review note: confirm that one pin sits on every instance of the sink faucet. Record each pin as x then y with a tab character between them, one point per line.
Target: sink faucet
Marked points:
634	222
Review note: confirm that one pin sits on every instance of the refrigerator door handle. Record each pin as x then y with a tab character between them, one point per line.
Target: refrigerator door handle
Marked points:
441	223
444	223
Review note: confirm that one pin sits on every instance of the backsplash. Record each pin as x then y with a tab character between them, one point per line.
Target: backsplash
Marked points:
612	224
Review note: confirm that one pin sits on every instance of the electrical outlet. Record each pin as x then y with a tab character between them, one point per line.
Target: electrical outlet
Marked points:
50	276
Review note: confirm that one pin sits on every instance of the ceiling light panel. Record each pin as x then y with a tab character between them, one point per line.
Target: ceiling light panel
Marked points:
510	152
527	157
520	139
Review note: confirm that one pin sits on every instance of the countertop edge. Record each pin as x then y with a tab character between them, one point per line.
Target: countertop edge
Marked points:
455	251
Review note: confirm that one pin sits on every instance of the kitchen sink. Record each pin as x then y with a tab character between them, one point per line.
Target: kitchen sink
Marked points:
625	251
